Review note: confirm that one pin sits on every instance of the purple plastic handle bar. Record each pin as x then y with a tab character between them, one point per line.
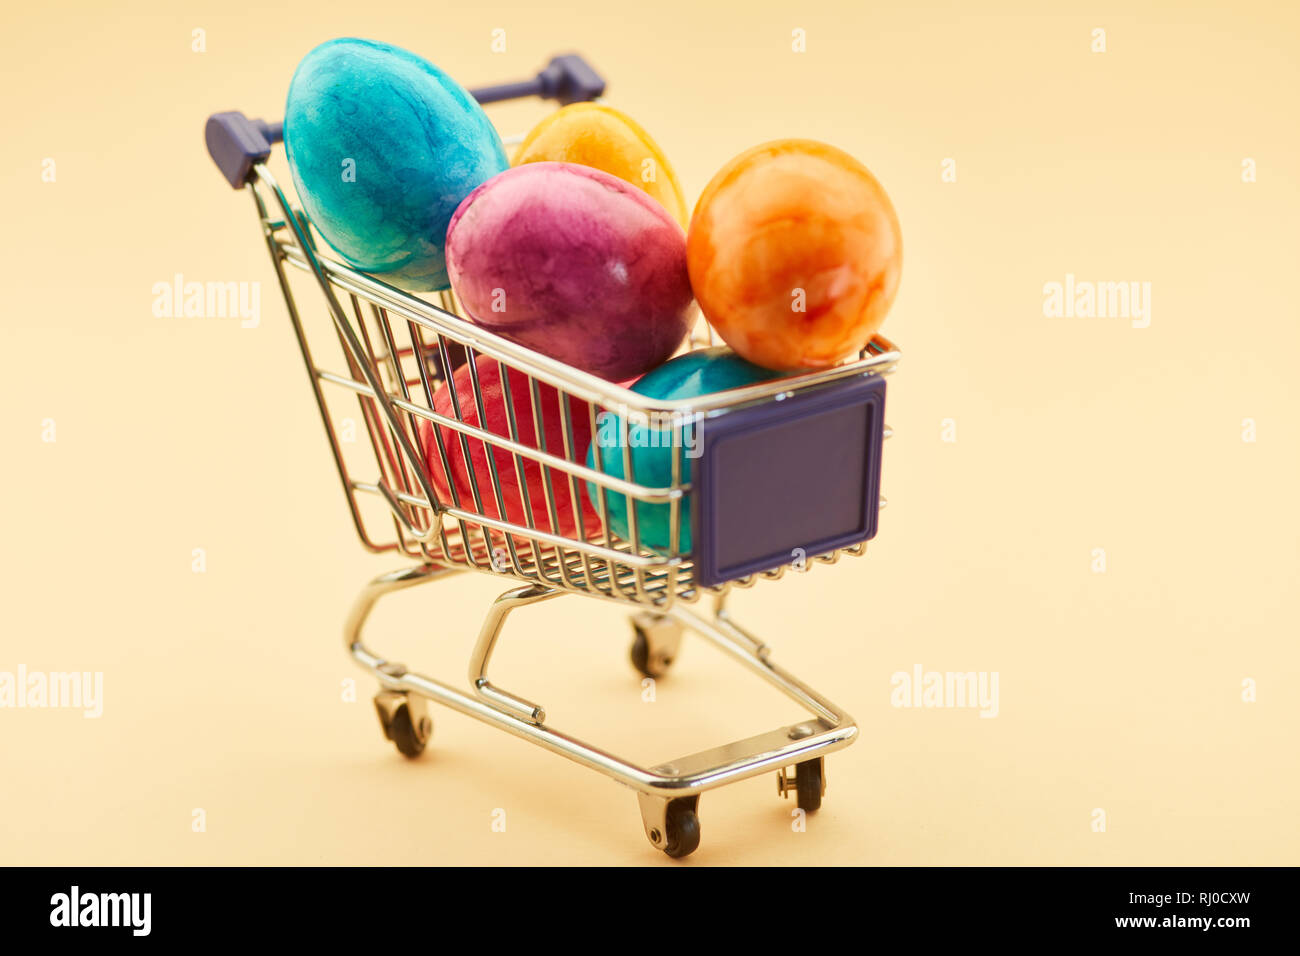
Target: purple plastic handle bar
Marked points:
567	79
237	143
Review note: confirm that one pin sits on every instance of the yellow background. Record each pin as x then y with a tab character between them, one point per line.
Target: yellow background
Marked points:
1119	691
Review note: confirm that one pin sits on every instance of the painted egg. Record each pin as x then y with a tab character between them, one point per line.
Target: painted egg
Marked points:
508	411
701	372
795	254
573	263
591	134
383	146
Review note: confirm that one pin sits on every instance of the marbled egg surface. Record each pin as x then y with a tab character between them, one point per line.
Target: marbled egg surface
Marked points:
599	136
383	147
701	372
574	263
795	254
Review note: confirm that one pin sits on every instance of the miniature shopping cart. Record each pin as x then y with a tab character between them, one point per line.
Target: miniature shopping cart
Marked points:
787	476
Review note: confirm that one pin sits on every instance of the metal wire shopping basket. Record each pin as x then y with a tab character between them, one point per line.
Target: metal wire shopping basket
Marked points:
787	475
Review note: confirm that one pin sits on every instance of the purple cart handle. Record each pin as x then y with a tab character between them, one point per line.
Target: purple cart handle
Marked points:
568	79
237	143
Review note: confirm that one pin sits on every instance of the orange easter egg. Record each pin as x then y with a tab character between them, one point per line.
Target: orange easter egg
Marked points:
591	134
794	254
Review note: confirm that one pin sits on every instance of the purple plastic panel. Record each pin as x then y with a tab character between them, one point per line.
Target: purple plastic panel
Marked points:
802	473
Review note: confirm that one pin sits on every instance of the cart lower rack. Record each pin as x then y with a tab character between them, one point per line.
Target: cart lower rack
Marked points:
389	352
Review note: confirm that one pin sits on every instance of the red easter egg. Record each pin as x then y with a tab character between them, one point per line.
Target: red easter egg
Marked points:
498	422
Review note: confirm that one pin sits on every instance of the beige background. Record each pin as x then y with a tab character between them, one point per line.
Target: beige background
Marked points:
1119	691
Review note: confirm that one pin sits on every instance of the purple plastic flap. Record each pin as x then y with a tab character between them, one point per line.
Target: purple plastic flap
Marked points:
785	480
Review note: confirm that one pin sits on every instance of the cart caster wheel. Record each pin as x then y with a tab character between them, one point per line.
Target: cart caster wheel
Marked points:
409	739
683	826
641	657
408	729
655	644
671	825
808	784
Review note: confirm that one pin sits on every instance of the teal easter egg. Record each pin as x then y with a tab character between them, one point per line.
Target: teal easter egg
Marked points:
383	146
651	448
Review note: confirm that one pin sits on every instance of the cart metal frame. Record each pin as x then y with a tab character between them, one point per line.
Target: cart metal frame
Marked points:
394	386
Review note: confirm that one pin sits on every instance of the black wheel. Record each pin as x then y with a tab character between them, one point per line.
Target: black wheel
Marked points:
808	784
410	742
683	824
641	657
641	654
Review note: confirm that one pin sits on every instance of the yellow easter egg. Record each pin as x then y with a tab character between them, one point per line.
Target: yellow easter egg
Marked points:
591	134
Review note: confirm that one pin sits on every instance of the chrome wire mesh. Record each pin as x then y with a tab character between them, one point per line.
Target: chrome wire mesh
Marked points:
377	358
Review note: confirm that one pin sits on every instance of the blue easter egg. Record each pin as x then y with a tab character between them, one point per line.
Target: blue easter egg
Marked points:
383	147
702	372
